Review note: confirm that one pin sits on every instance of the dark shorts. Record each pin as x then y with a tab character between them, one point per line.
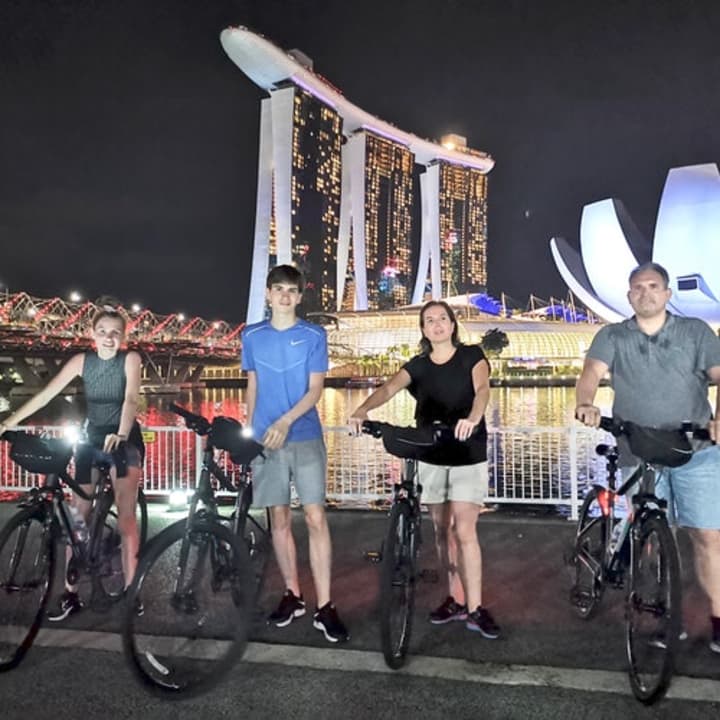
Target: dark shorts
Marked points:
128	454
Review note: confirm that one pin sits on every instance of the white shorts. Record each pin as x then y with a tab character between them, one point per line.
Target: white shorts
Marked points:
461	483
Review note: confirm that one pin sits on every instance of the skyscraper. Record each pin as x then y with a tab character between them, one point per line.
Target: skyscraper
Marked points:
318	194
453	247
298	207
463	229
315	196
376	213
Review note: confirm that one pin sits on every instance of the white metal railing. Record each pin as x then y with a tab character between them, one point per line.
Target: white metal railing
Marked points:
530	465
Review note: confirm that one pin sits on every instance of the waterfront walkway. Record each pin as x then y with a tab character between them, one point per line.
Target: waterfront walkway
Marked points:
546	662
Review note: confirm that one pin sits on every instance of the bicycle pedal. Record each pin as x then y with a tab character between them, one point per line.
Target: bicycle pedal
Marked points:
429	576
373	556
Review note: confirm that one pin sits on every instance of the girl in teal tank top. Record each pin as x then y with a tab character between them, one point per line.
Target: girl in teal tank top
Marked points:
111	380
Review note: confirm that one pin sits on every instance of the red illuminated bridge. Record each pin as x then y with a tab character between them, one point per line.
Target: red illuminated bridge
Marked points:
37	333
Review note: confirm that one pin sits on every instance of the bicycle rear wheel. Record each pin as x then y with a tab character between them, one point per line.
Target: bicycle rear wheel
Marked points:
27	564
397	584
653	608
587	557
196	591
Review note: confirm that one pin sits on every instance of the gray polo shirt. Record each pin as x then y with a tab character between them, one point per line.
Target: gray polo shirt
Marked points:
659	380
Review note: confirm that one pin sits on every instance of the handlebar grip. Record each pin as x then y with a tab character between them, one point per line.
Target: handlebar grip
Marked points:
178	410
372	427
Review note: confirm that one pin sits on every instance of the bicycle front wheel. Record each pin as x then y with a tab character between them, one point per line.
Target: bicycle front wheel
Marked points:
188	609
253	529
27	563
587	557
106	552
397	584
653	608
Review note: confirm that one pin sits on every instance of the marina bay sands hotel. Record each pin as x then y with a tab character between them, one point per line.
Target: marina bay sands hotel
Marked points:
336	192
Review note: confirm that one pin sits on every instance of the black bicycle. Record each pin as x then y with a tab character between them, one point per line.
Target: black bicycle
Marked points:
200	577
638	551
29	540
398	557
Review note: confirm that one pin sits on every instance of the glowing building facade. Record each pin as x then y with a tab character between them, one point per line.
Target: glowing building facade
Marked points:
315	196
686	243
376	223
463	229
358	193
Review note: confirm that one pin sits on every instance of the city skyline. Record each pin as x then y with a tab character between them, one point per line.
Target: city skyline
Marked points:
130	143
303	122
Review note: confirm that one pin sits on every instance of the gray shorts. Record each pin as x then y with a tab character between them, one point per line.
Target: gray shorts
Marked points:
304	464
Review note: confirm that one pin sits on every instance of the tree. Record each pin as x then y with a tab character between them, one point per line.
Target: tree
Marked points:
494	341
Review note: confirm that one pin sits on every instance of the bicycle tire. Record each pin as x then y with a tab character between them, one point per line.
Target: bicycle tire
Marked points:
27	569
105	556
653	608
397	585
195	589
587	557
255	534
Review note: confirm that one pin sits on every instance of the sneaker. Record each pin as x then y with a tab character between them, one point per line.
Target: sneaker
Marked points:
69	604
715	642
291	606
657	639
481	621
448	611
326	619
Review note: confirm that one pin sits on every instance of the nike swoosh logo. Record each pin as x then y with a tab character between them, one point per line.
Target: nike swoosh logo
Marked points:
297	342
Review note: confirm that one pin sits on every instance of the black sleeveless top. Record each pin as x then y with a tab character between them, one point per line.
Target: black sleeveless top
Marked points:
445	394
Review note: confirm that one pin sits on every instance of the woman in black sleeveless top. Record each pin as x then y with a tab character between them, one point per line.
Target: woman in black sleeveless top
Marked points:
111	380
450	383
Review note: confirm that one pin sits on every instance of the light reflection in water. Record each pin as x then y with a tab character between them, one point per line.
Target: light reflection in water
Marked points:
509	407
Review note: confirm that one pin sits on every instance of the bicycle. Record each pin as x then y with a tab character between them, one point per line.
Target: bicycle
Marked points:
607	547
29	538
398	557
200	577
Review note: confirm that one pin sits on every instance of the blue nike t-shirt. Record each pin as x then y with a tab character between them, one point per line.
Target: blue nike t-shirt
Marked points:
282	361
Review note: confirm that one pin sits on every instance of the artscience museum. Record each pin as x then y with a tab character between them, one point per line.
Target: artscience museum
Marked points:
686	243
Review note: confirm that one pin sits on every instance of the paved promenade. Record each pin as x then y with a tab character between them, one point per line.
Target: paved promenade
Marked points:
546	662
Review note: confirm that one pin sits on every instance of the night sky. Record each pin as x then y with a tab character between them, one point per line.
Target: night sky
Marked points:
128	139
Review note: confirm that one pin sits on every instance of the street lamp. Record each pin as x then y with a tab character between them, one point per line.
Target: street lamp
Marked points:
136	307
75	296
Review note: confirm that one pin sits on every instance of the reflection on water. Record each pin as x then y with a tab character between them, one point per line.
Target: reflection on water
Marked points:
509	407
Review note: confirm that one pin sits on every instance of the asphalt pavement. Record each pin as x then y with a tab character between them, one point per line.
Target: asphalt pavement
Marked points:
547	661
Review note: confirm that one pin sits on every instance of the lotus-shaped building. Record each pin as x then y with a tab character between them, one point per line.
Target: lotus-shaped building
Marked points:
687	244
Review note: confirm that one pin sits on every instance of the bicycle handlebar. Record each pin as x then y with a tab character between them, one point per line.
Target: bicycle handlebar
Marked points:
668	448
197	423
422	437
622	427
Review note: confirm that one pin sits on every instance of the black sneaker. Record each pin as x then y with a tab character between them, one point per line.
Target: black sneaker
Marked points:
69	604
448	611
657	639
291	606
715	642
481	621
326	619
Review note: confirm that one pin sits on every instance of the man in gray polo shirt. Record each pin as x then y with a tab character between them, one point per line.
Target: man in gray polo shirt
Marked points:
661	366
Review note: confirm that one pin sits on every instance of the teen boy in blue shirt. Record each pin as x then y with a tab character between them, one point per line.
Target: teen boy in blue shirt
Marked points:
286	360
